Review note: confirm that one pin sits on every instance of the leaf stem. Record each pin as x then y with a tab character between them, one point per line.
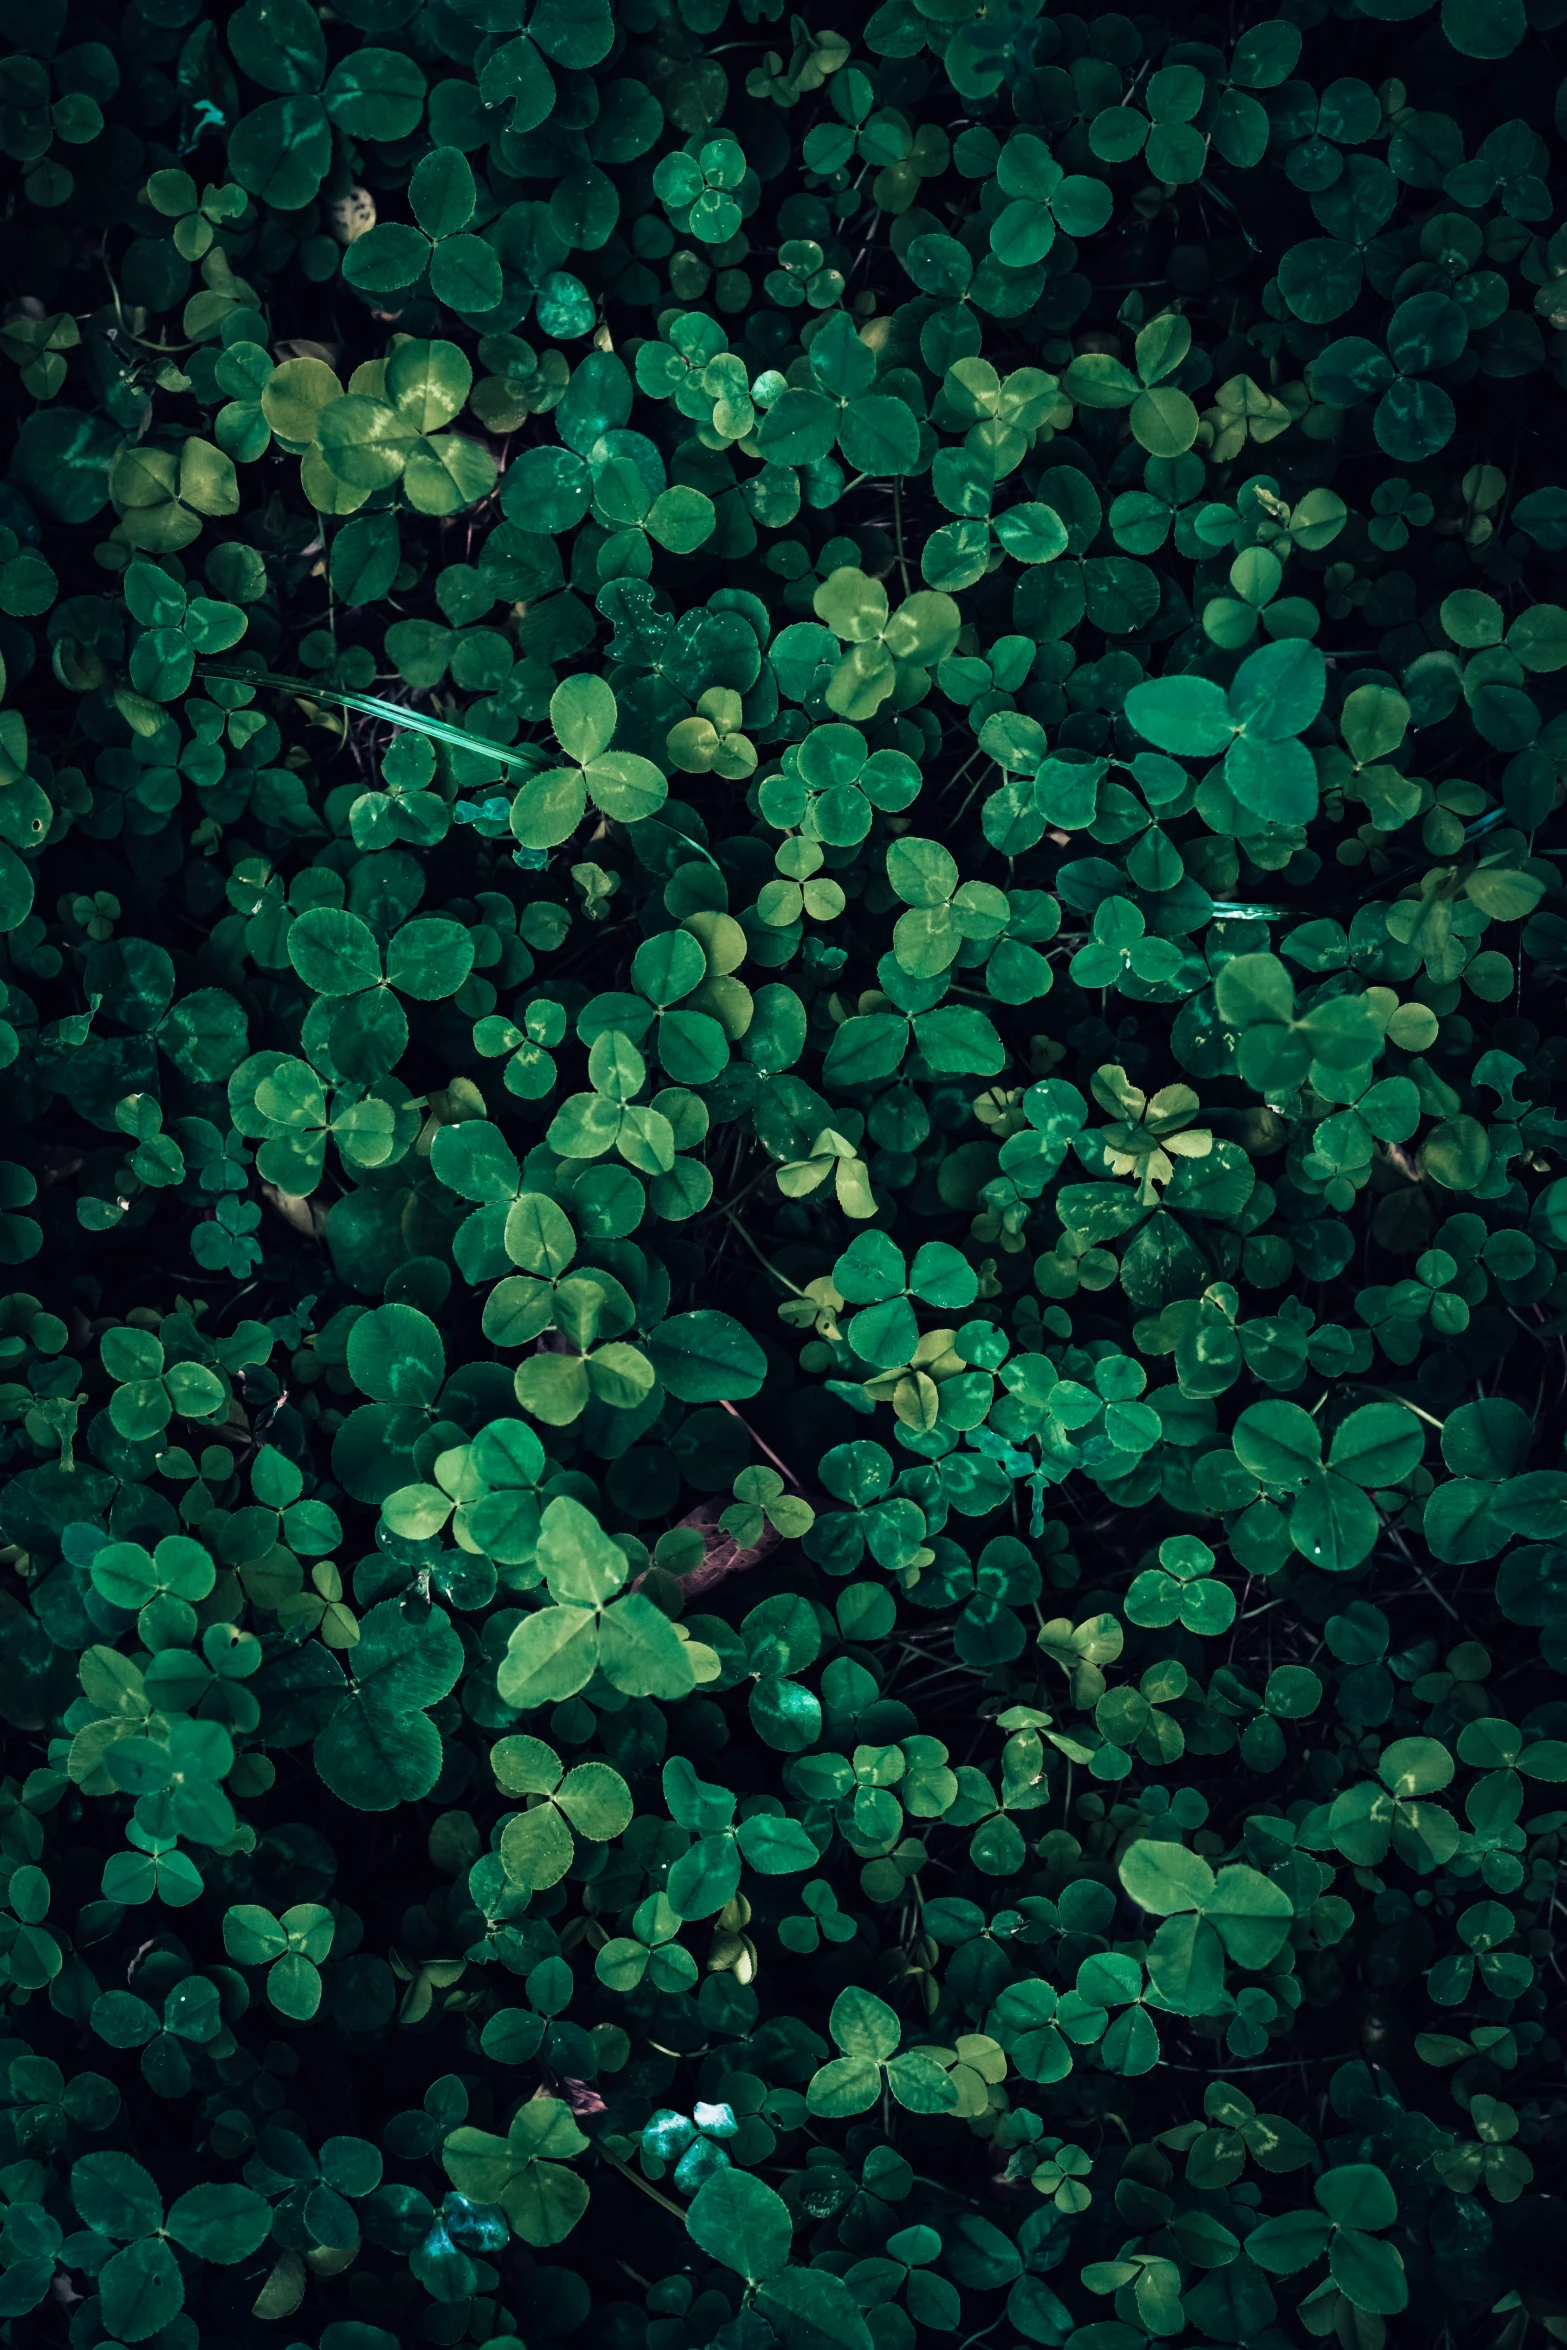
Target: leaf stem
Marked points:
758	1253
646	2185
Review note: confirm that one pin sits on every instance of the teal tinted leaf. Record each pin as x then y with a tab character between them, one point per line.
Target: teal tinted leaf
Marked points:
1334	1524
682	519
1483	31
442	192
392	255
1082	205
278	43
376	94
739	2220
1184	714
863	2025
141	2289
879	435
429	958
395	1355
1032	532
775	1846
1349	370
1250	1913
550	1656
333	951
374	1761
1377	1445
115	2196
1321	278
580	1562
1278	1442
1285	2245
400	1663
1275	780
644	1656
465	273
204	1035
706	1357
798	429
475	1160
938	265
224	2223
1278	690
1413	420
1166	1878
921	2084
596	1800
537	1848
1370	2274
811	2309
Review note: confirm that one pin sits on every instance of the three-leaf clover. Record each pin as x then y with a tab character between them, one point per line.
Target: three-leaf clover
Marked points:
697	187
1181	1589
883	645
357	1029
464	270
197	217
389	430
873	1274
760	1501
1278	1048
119	2201
175	627
525	2172
1045	201
638	519
1163	418
1392	1811
556	1651
150	1390
1415	416
1272	698
288	1104
162	497
291	1947
1489	2158
651	1952
1238	1913
706	1878
1152	1132
877	432
1333	1520
822	1917
1217	2147
164	1584
620	784
867	2032
712	740
1120	953
537	1846
945	913
1353	2202
831	785
1106	1980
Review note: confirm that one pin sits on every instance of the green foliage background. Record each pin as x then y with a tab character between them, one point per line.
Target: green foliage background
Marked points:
782	1414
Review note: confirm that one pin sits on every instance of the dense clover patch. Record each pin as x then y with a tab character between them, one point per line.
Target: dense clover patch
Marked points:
782	1412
